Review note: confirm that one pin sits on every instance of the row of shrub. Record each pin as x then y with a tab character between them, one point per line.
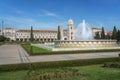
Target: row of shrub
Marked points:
1	43
112	65
52	74
55	64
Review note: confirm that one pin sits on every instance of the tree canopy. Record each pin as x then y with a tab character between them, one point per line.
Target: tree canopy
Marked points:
31	34
59	33
97	35
114	33
103	33
118	35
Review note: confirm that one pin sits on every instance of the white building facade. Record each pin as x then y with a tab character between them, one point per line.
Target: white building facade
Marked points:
71	30
95	31
24	35
39	35
9	33
69	33
44	35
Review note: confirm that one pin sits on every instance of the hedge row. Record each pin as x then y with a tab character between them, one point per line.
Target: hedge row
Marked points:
55	64
53	74
112	65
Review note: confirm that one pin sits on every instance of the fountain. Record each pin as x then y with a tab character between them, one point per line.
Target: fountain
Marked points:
83	41
83	32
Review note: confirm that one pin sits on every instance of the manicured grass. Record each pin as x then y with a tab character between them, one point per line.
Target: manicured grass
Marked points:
41	51
96	72
91	72
16	75
35	50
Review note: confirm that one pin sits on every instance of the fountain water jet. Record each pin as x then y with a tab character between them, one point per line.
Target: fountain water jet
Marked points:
83	32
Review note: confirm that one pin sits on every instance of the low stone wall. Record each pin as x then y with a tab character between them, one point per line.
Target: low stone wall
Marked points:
46	46
75	49
85	43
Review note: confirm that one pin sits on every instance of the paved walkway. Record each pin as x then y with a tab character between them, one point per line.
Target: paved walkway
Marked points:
11	54
72	56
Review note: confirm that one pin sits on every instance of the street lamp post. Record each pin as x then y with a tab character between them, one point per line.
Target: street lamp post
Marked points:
2	28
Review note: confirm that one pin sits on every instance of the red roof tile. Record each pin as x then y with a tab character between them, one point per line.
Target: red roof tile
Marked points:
52	31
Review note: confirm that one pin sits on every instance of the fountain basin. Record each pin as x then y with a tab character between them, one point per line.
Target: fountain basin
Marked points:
85	43
73	45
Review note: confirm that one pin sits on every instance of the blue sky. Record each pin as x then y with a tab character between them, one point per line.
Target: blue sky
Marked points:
47	14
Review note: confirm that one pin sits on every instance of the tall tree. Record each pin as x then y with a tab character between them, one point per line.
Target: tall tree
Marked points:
103	33
2	38
59	33
114	33
97	35
108	36
31	39
118	35
31	34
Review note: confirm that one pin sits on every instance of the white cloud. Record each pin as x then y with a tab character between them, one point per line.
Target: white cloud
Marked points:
48	13
51	14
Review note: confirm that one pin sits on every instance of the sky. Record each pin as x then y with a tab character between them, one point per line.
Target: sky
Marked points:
48	14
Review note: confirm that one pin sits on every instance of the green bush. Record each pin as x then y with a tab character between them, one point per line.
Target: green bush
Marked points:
55	64
119	54
52	74
112	65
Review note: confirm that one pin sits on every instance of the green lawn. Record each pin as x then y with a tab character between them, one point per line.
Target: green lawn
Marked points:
96	72
17	75
35	50
92	72
41	51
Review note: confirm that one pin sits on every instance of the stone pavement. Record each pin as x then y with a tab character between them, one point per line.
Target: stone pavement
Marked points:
11	54
44	58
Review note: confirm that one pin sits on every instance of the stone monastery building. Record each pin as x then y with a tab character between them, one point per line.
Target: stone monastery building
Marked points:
43	35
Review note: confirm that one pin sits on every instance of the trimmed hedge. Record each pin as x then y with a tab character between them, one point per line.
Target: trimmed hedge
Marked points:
55	64
53	74
112	65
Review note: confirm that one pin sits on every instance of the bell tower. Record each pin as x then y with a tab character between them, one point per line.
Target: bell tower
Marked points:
71	31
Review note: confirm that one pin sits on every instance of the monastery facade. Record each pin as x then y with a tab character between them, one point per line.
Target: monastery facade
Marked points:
43	35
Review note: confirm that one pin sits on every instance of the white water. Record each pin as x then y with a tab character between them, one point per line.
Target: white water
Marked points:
83	32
